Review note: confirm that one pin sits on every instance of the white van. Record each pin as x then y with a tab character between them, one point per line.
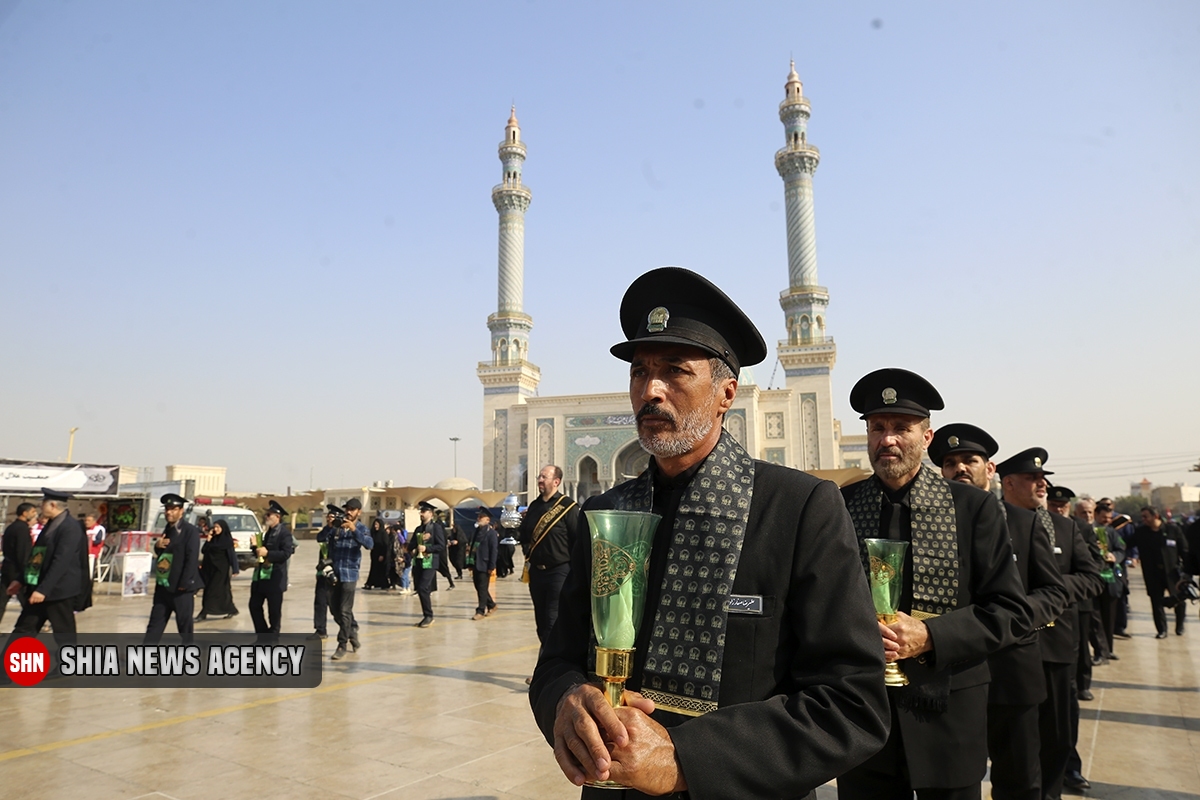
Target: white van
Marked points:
243	524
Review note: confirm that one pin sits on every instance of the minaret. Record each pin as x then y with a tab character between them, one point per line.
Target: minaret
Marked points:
808	354
509	377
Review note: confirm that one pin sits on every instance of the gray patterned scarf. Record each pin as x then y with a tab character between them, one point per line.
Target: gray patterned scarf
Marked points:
687	645
1043	516
934	549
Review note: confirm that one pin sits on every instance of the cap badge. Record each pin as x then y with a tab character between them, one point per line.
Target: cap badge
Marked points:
1037	462
657	321
952	441
889	396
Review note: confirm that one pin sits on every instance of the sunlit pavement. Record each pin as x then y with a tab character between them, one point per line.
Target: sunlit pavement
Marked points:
443	713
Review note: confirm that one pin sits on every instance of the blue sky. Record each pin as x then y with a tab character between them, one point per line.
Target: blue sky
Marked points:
260	235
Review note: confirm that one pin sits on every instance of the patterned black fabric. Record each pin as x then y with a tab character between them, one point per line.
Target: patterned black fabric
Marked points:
1043	518
687	645
934	550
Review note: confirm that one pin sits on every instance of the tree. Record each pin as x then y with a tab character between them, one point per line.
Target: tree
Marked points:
1130	504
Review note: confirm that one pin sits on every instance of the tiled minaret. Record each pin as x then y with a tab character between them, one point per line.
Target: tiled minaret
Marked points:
808	353
509	377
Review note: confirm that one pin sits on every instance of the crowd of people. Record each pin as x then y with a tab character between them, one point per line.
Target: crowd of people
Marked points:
760	624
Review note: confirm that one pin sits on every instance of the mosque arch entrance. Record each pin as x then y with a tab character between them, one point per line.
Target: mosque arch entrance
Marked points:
589	479
631	461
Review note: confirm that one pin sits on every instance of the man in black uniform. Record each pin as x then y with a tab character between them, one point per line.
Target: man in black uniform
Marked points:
176	573
1162	548
481	560
333	517
1058	502
1112	546
270	579
758	670
427	546
547	534
962	599
964	453
16	545
55	575
1023	478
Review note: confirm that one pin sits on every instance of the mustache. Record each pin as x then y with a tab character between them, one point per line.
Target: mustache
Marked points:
657	413
889	451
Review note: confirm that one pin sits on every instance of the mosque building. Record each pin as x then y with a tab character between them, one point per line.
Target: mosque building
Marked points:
593	436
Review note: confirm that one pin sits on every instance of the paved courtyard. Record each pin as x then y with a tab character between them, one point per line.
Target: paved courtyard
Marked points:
443	713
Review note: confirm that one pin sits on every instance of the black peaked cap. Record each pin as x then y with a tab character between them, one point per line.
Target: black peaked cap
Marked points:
171	500
894	391
1059	494
1032	460
959	437
673	305
274	508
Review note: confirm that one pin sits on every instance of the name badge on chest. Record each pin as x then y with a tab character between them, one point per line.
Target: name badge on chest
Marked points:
1057	550
1170	542
744	604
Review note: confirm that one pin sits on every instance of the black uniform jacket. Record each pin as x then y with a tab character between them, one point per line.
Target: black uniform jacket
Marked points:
280	546
555	547
64	566
436	546
16	546
184	548
1081	574
1017	676
485	543
802	696
1162	553
950	749
1088	532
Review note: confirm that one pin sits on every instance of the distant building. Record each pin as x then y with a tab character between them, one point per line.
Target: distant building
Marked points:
209	481
593	437
1180	498
1143	488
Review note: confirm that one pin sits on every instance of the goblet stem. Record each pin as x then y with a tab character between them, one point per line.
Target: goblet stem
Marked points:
614	691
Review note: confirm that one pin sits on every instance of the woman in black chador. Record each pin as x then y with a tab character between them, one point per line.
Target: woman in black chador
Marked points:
220	561
381	557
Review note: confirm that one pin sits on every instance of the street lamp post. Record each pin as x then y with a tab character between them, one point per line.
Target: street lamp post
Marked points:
455	439
71	444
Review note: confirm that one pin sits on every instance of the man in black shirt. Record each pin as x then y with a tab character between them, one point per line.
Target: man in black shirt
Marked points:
55	574
1163	550
547	534
16	546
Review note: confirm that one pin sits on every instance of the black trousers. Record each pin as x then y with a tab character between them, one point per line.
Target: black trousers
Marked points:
34	616
1012	733
482	579
424	578
4	605
260	593
1054	727
1083	664
341	601
321	607
545	585
166	603
1158	609
887	777
444	569
1103	635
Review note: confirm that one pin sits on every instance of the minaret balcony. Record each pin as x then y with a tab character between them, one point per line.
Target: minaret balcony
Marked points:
792	101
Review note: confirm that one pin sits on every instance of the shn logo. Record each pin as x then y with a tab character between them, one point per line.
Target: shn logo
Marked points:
27	661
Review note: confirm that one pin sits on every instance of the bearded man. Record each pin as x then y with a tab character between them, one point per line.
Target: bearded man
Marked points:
758	670
961	602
